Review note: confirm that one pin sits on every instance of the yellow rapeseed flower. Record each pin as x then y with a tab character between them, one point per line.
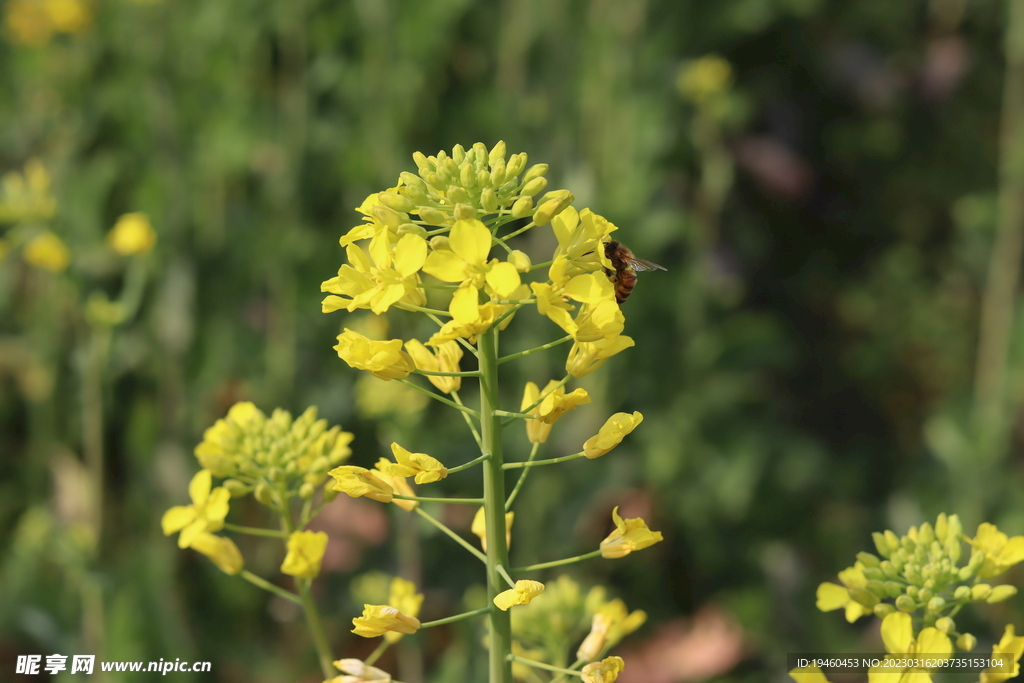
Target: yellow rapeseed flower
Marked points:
808	674
424	468
555	404
359	481
581	238
222	551
629	535
1009	646
605	671
704	78
405	599
379	279
398	484
26	196
454	329
305	552
132	234
379	619
47	251
831	596
600	317
479	527
621	622
522	594
357	671
595	641
383	359
446	360
611	434
207	512
898	636
585	357
1001	552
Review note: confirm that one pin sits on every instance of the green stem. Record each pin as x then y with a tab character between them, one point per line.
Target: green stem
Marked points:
469	464
575	665
518	416
463	501
504	575
522	478
421	309
511	311
316	628
267	586
535	463
545	347
451	534
500	667
537	266
523	229
470	373
453	619
437	397
254	531
375	655
542	665
556	563
469	422
540	399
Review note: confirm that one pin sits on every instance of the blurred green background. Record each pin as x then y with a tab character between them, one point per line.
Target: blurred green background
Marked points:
835	348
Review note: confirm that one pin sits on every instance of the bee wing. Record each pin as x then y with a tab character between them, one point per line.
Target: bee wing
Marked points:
640	265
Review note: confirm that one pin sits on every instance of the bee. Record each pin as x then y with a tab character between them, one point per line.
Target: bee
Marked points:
626	267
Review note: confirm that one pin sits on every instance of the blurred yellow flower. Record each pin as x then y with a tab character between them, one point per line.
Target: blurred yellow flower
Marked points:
222	551
446	360
555	404
704	78
48	252
26	196
358	671
305	552
424	468
595	641
132	234
33	22
611	434
406	600
831	596
620	621
1001	552
898	636
207	512
383	359
629	535
605	671
522	594
1010	645
479	527
808	674
585	357
379	279
379	619
359	481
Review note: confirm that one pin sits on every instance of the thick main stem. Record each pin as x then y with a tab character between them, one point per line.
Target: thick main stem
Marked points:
499	666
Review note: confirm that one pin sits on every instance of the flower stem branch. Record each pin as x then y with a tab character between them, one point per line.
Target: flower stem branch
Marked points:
421	309
522	478
504	575
454	536
535	463
556	563
375	655
520	416
469	464
442	399
469	421
462	501
457	617
542	665
254	531
523	229
544	347
267	586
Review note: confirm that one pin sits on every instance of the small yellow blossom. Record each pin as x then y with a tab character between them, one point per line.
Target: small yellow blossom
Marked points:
479	527
611	434
597	638
555	404
132	234
522	594
26	196
371	225
207	512
383	359
424	468
379	279
359	481
621	622
33	22
446	360
581	238
629	535
398	484
1009	646
704	78
405	599
222	551
357	671
605	671
832	596
453	329
599	318
898	636
808	674
47	251
1001	552
305	552
585	357
379	619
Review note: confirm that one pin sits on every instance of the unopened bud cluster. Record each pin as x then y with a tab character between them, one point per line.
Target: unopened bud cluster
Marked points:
276	458
468	184
922	572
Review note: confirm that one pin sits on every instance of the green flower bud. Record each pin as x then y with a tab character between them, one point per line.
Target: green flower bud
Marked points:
459	195
415	194
420	159
467	174
264	494
977	559
464	212
489	200
907	543
936	604
925	594
435	181
888	569
945	624
236	488
864	597
913	573
388	216
498	174
955	528
395	201
520	260
961	592
432	216
967	642
905	603
536	171
883	609
458	154
411	229
925	534
874	573
497	153
412	180
533	187
522	207
941	527
878	588
450	169
913	591
981	591
307	491
554	203
1000	593
880	544
483	178
321	464
440	243
868	560
276	474
893	588
965	573
479	152
516	164
954	546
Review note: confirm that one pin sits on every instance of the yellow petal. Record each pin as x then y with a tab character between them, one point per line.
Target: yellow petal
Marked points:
445	266
897	633
410	254
470	240
177	518
808	674
831	597
933	642
199	487
503	279
465	305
